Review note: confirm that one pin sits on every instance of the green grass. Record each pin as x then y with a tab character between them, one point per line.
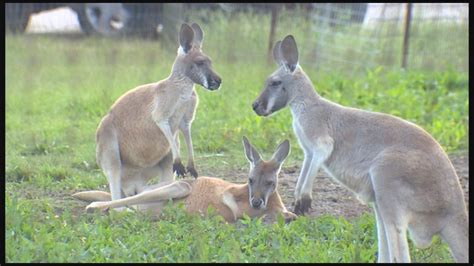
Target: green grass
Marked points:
35	232
58	89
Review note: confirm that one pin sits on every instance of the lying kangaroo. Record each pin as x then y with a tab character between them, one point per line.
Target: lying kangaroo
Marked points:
134	139
256	198
385	160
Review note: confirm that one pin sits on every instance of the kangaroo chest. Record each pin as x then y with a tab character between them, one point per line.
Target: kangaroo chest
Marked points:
303	140
177	116
308	144
182	105
337	166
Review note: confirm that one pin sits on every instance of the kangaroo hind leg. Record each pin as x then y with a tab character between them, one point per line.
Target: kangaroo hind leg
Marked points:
391	216
456	234
108	156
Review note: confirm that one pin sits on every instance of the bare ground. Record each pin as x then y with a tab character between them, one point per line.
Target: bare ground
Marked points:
329	197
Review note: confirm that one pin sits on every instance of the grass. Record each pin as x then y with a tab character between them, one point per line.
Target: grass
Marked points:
58	89
179	237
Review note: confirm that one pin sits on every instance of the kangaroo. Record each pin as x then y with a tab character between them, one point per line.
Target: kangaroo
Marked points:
138	138
258	197
391	163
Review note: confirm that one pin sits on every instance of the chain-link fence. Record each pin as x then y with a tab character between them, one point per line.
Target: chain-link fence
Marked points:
336	36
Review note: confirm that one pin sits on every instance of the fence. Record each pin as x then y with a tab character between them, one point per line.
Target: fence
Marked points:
393	35
337	36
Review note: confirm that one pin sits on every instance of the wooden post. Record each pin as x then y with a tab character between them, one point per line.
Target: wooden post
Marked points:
272	33
406	37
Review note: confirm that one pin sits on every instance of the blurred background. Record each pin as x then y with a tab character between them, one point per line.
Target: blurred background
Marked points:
72	61
343	37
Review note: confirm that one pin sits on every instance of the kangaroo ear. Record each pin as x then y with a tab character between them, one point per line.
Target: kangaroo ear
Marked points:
252	155
289	52
281	152
277	53
186	36
198	33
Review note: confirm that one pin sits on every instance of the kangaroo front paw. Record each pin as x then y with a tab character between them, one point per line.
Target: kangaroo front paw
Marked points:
302	205
179	169
192	171
289	217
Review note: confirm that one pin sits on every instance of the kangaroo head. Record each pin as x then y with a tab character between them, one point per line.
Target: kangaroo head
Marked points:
281	86
263	175
191	61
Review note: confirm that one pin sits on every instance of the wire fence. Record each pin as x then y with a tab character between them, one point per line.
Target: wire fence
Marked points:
344	37
435	31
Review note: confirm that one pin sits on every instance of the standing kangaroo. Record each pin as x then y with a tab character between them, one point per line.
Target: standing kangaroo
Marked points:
384	160
256	198
138	139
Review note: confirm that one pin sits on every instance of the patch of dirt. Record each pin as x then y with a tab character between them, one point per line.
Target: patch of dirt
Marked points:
330	197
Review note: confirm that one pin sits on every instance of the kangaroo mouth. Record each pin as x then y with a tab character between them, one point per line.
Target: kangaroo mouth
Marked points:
213	88
261	207
263	113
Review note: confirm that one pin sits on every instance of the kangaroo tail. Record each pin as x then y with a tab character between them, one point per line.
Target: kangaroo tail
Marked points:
93	195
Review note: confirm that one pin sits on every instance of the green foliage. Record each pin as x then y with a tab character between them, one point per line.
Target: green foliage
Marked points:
58	89
36	232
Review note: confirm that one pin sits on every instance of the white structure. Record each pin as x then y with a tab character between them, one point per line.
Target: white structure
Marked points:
382	12
62	19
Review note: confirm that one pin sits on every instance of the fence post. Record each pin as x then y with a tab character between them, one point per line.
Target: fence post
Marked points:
272	32
406	36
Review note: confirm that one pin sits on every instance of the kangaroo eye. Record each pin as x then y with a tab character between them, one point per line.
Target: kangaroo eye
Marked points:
200	63
275	83
269	183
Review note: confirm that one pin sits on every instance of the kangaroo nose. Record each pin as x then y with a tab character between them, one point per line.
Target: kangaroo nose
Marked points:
214	83
257	202
255	105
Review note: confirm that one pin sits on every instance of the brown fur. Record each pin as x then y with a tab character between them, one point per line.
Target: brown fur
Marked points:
201	193
138	139
230	200
196	203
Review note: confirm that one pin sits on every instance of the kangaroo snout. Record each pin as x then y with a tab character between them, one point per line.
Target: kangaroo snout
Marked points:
214	83
255	106
256	203
259	109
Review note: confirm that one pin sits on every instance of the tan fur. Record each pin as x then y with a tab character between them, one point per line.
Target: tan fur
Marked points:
387	161
230	200
210	191
202	193
142	143
138	139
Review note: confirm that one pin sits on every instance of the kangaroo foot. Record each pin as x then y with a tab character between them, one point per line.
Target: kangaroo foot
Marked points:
97	205
302	205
